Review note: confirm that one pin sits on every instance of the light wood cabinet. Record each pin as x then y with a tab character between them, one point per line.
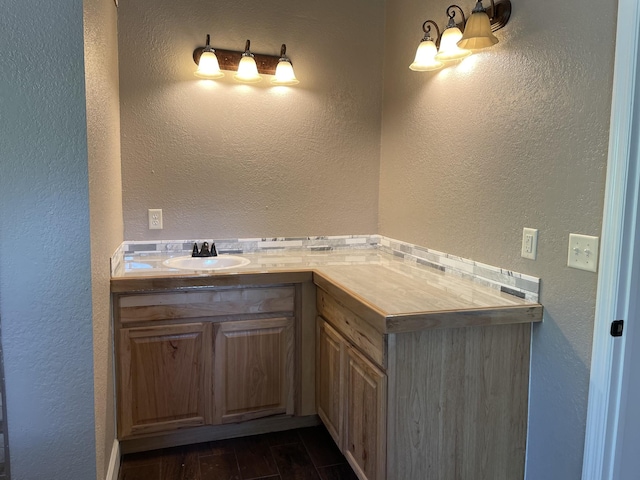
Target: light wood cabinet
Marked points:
330	352
253	369
446	403
365	416
351	399
204	358
165	377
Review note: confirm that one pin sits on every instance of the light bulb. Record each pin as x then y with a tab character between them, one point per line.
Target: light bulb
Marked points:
247	69
425	57
449	49
208	66
284	73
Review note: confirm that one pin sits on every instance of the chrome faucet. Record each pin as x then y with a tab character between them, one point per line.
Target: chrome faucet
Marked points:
204	251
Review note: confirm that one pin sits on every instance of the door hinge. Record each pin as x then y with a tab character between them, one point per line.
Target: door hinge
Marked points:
616	328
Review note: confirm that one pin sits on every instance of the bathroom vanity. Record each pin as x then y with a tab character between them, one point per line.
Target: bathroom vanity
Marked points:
416	373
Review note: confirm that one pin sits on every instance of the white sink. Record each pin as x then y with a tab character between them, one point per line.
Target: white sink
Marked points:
221	262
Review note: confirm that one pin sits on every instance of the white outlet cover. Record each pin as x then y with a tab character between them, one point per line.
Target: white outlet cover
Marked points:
155	218
583	252
529	243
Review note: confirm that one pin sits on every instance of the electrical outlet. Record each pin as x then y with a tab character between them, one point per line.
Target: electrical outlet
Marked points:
155	219
529	243
583	252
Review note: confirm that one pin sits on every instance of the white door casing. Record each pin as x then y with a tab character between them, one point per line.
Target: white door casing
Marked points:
608	431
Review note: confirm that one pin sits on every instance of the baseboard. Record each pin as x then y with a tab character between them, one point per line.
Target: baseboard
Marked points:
114	462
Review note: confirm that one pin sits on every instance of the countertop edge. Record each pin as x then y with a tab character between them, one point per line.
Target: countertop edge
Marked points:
382	321
477	317
178	282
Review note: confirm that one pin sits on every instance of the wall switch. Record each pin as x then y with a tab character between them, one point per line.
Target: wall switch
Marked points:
529	243
583	252
155	219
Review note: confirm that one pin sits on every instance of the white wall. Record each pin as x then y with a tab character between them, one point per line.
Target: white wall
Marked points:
513	137
45	271
226	160
105	197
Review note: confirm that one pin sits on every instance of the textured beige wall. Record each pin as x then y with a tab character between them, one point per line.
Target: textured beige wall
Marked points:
105	199
229	160
514	137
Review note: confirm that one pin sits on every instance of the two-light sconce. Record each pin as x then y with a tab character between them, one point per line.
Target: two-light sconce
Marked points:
248	66
453	44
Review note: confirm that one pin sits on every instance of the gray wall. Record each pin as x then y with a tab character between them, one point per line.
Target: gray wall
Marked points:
105	197
229	160
511	138
45	269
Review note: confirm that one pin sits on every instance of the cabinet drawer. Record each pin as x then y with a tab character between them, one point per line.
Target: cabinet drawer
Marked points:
205	303
355	329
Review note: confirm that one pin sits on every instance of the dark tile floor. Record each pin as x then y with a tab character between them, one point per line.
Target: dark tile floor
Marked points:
302	454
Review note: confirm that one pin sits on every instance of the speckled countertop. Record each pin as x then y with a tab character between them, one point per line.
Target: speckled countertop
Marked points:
400	293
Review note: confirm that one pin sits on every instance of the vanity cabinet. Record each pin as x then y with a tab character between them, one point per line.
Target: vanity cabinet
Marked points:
165	371
446	403
204	357
351	401
330	353
253	363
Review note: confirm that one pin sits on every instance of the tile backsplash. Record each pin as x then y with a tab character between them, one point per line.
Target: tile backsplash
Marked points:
508	281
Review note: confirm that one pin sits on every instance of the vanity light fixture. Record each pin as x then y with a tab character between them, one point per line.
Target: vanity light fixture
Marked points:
208	66
449	49
247	68
284	70
453	44
247	65
425	60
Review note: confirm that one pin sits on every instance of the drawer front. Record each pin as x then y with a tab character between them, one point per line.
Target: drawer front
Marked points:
356	330
206	303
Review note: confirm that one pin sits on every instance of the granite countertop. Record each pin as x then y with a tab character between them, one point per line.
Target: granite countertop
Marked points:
395	294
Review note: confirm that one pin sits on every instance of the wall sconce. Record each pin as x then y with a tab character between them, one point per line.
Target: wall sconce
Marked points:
247	68
247	65
453	44
477	32
208	66
425	60
284	70
449	49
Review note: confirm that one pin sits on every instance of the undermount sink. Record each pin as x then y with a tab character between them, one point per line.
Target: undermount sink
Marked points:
221	262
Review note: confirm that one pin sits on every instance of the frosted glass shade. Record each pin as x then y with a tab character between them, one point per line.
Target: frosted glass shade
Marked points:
477	33
284	74
425	57
247	70
449	49
208	66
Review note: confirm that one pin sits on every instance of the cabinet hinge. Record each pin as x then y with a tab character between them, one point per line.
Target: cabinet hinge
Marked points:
616	328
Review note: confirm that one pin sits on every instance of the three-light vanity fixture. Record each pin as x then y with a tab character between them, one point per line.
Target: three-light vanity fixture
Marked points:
248	66
453	44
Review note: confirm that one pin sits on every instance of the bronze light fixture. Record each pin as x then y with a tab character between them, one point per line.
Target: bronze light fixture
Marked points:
247	65
453	44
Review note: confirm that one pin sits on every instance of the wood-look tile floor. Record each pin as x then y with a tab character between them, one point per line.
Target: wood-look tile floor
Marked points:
302	454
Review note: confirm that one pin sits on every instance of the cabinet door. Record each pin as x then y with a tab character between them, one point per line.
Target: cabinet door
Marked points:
330	355
253	369
164	382
365	417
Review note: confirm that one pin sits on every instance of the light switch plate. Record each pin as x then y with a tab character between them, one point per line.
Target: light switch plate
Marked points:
583	252
155	219
529	243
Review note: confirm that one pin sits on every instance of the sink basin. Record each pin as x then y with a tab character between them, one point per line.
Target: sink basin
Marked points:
221	262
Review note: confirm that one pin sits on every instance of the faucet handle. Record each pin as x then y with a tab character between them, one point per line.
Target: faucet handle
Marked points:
194	252
214	252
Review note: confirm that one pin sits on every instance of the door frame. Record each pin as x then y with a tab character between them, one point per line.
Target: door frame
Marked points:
618	275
